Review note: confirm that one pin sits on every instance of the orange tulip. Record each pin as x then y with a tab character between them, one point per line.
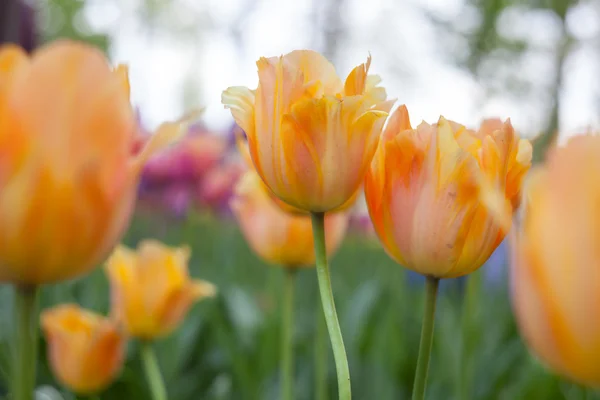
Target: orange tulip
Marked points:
151	289
554	273
85	350
275	235
68	174
311	137
429	192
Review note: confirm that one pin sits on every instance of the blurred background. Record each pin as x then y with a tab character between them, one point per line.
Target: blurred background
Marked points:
535	61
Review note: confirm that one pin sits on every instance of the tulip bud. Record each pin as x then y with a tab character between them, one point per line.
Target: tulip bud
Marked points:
85	350
151	289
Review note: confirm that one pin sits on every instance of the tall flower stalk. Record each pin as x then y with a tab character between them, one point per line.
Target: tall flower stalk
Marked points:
284	238
333	325
431	290
26	335
287	335
153	375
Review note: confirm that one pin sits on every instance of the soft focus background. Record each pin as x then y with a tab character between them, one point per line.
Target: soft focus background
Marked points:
536	61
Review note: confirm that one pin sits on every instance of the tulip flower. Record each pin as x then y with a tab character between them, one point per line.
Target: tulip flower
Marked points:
217	187
279	237
68	171
151	289
151	293
554	271
85	350
311	137
427	195
436	195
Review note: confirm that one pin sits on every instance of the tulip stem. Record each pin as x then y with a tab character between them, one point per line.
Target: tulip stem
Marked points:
287	336
470	315
335	334
321	359
155	380
431	289
27	342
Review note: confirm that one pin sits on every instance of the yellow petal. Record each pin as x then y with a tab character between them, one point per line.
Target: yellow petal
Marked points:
122	71
240	100
356	82
314	68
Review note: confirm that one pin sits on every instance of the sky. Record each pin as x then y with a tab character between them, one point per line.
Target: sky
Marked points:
406	49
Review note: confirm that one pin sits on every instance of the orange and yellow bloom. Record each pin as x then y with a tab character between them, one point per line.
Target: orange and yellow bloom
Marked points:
554	272
85	350
429	192
311	136
151	289
68	168
275	235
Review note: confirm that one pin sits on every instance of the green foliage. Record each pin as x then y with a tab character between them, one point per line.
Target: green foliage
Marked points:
228	347
65	19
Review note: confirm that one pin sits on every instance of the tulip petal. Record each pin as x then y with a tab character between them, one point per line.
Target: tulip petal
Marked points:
166	134
177	304
122	72
240	100
356	83
12	59
315	133
315	68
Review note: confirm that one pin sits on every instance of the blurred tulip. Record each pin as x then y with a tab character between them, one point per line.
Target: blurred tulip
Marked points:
217	186
429	192
193	156
554	274
276	236
151	289
311	137
68	176
85	350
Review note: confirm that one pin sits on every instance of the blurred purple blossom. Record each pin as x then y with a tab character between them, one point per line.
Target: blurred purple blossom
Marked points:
198	172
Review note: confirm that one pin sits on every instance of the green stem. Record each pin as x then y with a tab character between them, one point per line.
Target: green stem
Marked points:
321	358
155	380
431	288
468	338
27	342
287	337
335	334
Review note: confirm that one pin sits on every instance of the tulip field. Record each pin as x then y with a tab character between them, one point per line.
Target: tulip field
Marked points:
228	347
321	245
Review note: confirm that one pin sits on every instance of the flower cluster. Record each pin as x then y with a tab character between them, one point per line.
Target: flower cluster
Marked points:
440	197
